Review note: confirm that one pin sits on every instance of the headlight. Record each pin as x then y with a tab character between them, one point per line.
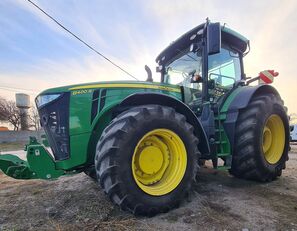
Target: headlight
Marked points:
44	99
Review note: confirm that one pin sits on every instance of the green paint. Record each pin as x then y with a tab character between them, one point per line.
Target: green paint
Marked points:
39	163
222	141
79	114
84	133
78	152
81	86
15	167
229	100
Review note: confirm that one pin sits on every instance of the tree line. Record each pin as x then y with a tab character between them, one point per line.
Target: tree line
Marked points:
11	114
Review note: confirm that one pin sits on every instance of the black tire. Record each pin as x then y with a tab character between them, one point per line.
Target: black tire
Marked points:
114	156
248	159
91	172
201	162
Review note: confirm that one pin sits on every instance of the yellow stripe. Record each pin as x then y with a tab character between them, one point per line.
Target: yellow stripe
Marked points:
126	85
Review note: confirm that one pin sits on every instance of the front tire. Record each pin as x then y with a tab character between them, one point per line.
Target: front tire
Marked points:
91	172
261	140
146	159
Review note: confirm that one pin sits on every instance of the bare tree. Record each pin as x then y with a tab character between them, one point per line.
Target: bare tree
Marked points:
10	113
34	118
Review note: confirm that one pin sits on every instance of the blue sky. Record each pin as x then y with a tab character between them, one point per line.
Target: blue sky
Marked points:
36	54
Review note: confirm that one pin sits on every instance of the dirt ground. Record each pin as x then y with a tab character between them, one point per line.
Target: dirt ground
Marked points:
4	147
218	202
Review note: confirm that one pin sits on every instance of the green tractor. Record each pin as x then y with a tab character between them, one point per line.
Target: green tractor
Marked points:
144	141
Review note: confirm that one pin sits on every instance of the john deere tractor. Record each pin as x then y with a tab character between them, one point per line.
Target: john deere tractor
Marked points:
143	141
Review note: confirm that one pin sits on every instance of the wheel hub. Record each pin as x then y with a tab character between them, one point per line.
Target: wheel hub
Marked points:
159	162
267	139
273	140
152	159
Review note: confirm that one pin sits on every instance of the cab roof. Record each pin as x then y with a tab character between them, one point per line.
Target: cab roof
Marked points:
229	36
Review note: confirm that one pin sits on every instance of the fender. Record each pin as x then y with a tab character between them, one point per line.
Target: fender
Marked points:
241	101
138	99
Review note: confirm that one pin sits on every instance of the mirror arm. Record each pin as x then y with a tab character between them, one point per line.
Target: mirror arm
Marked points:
252	80
205	95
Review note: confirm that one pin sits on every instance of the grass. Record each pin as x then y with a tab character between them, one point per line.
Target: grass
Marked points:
13	146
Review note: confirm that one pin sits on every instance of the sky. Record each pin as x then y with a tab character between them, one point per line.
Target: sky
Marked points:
35	54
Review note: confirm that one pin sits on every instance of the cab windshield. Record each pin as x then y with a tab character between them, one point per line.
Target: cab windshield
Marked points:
224	70
181	70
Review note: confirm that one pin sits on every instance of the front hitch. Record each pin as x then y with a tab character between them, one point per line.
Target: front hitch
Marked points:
39	164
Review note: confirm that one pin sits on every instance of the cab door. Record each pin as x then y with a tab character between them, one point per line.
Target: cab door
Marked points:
224	71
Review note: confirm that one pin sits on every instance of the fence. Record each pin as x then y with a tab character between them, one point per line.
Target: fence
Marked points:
18	136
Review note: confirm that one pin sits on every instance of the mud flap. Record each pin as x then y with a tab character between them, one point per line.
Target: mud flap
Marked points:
39	164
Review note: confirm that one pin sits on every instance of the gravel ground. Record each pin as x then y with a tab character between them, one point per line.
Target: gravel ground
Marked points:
218	202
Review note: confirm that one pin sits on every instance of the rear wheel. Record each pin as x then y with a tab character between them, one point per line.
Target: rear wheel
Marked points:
261	139
146	159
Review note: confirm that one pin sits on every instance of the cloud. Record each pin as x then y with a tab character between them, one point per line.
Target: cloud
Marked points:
132	33
26	6
50	73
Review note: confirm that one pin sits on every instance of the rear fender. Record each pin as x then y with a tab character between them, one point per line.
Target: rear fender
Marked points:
241	101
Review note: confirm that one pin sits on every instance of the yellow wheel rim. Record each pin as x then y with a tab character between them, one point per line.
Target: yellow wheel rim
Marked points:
159	162
273	139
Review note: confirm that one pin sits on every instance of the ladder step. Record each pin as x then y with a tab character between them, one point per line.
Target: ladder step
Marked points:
223	154
221	142
223	167
219	130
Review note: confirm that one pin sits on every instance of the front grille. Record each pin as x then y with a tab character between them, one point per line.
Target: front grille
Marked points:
54	118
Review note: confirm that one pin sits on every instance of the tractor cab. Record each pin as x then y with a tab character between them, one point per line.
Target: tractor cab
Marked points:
206	62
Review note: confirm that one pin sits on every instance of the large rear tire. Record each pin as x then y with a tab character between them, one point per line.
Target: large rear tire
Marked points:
261	140
146	159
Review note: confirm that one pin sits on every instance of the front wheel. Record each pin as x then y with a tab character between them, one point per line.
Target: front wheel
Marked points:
261	139
146	159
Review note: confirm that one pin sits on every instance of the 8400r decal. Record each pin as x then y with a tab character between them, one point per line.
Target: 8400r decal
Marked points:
79	92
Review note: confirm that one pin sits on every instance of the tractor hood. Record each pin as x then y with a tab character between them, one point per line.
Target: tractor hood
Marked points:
53	93
70	112
90	85
111	84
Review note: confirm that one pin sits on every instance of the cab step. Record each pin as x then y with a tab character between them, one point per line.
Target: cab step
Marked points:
223	167
223	154
221	142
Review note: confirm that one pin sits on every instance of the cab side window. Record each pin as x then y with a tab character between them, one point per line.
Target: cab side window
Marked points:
224	68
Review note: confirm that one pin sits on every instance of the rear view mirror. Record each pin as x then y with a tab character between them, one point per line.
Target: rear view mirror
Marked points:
213	38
